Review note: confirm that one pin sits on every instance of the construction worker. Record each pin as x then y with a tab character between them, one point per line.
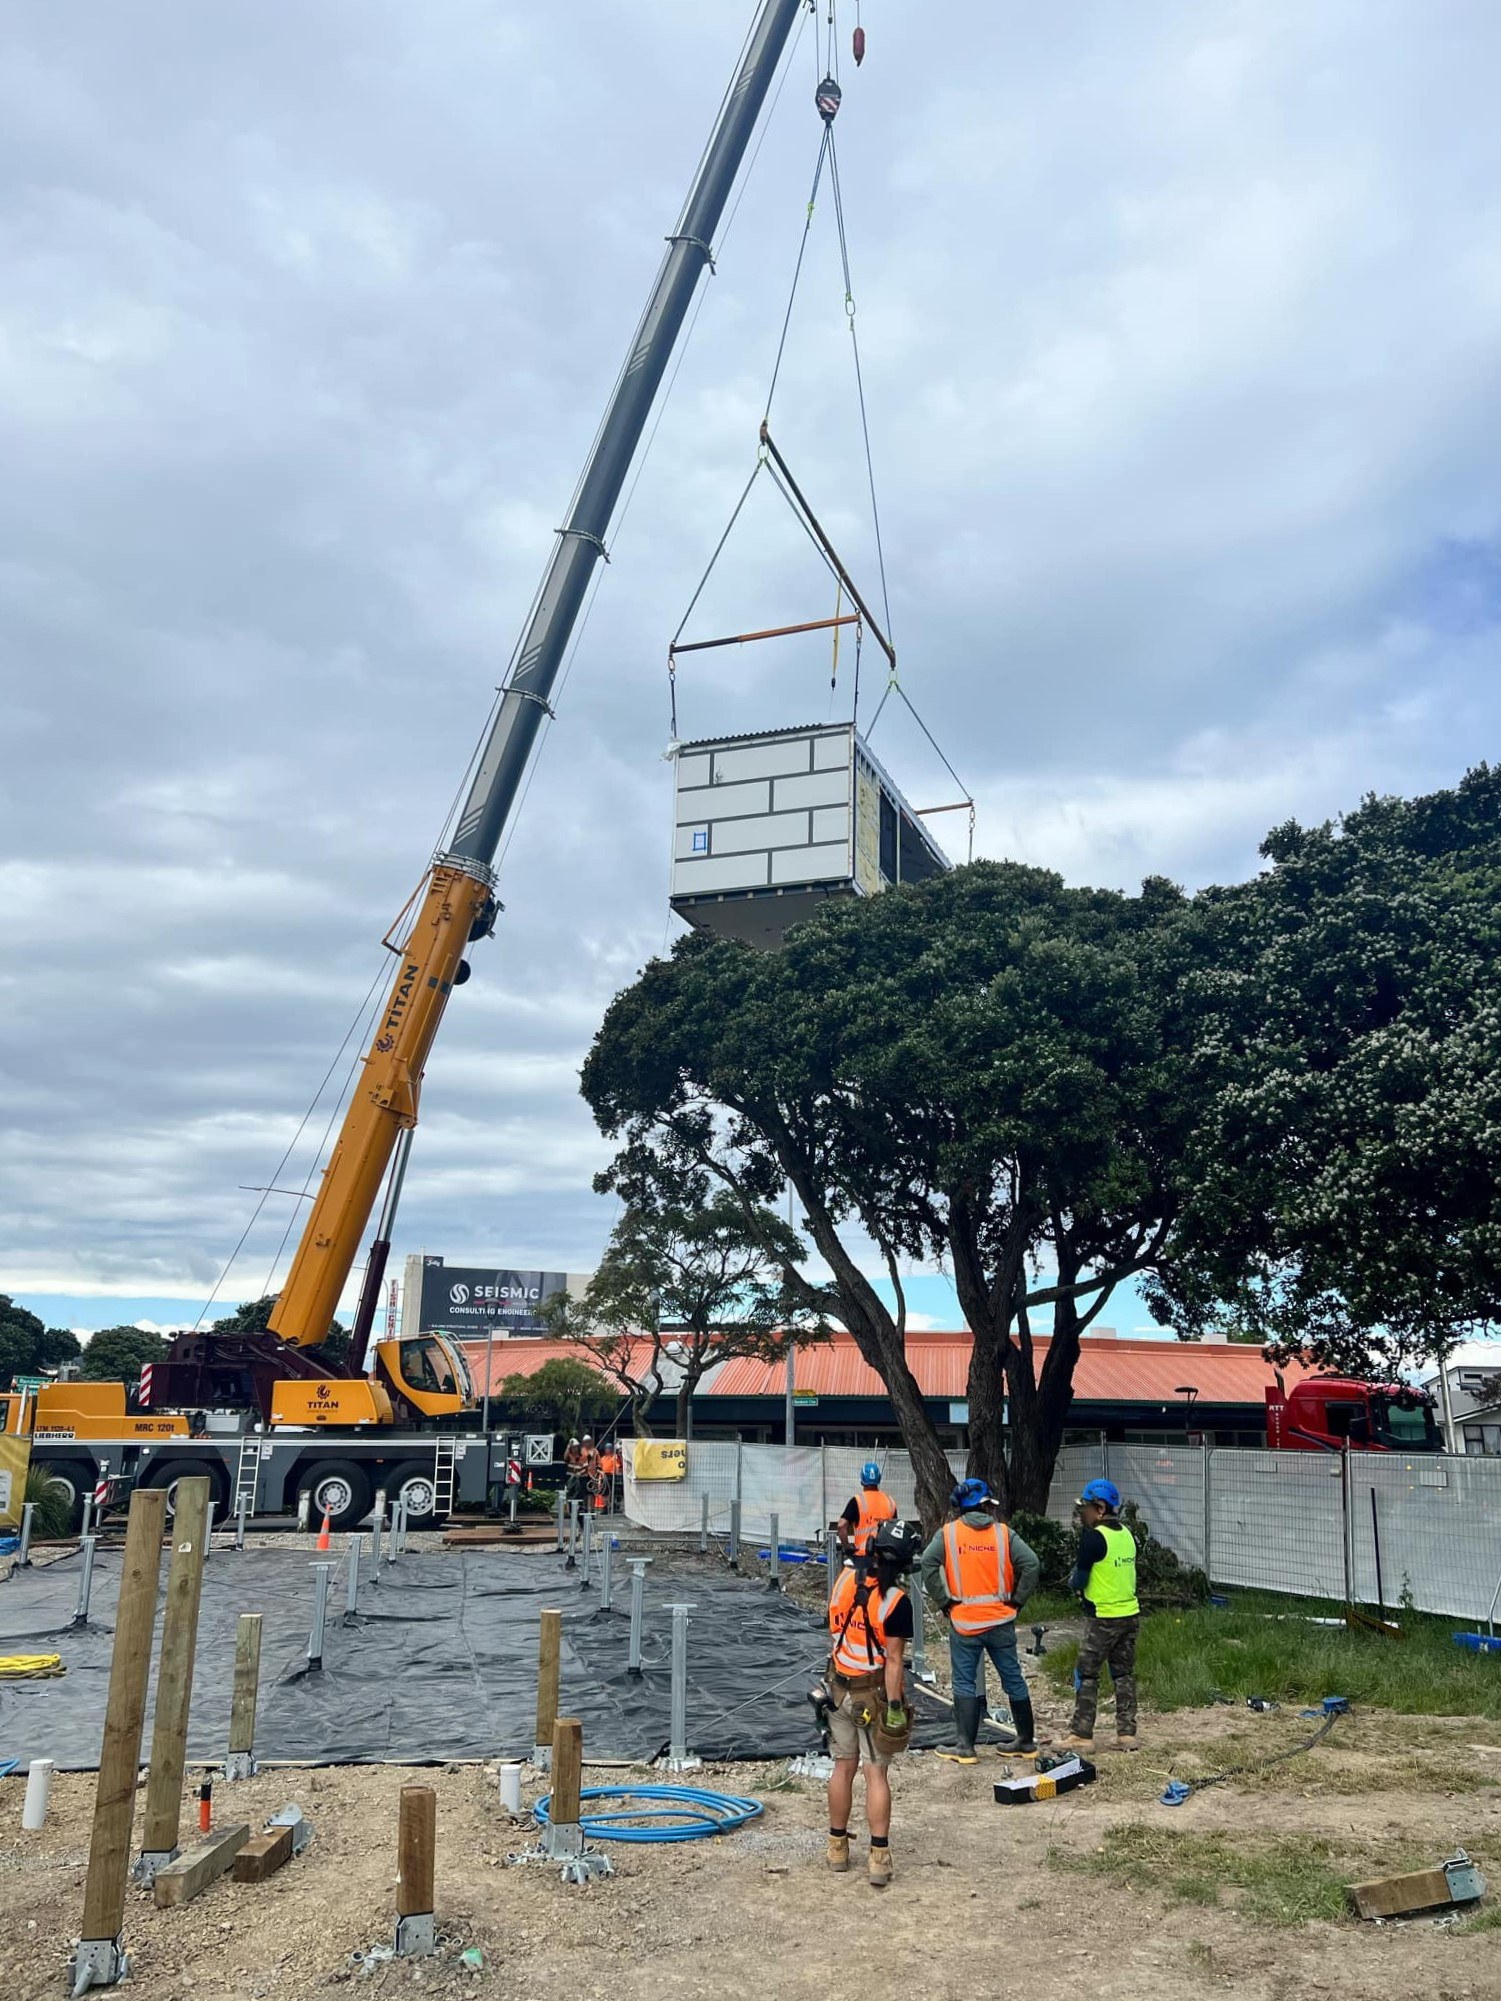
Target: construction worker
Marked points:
1105	1573
870	1623
604	1486
573	1471
980	1573
864	1512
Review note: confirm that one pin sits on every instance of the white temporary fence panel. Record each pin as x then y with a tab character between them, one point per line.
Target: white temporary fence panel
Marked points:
1277	1522
1439	1523
806	1488
1268	1521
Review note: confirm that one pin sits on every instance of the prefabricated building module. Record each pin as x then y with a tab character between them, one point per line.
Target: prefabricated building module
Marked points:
768	826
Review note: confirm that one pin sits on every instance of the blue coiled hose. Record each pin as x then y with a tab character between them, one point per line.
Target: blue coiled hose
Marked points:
695	1812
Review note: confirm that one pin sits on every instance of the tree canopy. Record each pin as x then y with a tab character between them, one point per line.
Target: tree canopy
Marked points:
27	1347
989	1069
118	1354
1346	1195
561	1396
691	1276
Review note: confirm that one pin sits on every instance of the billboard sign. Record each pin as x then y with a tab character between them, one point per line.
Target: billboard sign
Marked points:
462	1300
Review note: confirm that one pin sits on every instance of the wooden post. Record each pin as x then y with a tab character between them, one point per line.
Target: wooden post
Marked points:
567	1771
240	1763
174	1677
549	1651
416	1843
99	1958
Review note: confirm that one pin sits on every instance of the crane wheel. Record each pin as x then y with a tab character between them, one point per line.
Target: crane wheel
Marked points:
417	1484
339	1488
168	1473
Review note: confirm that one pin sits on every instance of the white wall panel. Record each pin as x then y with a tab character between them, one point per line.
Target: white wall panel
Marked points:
765	830
810	864
763	760
817	788
709	801
706	876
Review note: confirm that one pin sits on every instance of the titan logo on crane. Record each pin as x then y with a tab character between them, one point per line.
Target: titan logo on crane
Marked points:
399	1001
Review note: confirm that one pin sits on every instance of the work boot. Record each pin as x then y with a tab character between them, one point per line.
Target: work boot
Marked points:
969	1713
1074	1742
1127	1740
880	1868
1027	1739
838	1853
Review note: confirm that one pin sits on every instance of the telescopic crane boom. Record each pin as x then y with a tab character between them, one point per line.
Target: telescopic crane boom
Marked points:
456	905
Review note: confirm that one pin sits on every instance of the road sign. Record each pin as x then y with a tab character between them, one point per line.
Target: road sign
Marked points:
539	1446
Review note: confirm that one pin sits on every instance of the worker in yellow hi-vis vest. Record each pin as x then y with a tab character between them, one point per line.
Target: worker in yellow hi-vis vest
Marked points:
1105	1574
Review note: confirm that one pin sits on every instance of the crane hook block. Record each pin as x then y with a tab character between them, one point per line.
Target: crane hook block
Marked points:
830	97
859	46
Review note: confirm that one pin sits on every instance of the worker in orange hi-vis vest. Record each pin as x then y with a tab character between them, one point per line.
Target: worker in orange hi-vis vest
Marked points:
864	1512
980	1573
870	1623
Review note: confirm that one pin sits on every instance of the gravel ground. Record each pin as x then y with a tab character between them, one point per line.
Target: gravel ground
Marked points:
978	1908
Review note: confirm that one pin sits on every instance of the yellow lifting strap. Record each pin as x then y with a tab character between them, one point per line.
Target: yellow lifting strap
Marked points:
30	1667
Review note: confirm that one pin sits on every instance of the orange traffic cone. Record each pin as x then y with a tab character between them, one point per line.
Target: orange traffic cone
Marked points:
323	1541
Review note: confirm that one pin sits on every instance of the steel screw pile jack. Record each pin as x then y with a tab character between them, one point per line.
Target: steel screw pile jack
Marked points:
639	1566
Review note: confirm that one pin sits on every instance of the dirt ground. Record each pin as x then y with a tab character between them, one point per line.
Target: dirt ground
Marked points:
981	1904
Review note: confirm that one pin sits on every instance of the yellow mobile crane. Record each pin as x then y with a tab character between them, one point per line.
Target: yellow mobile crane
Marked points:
425	1381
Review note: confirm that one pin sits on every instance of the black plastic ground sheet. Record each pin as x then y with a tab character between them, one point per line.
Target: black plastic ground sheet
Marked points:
439	1662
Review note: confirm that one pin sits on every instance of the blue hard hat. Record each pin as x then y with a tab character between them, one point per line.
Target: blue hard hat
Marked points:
870	1474
969	1494
1105	1491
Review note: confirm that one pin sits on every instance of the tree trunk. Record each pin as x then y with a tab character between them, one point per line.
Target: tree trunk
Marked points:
986	1390
880	1341
1039	1408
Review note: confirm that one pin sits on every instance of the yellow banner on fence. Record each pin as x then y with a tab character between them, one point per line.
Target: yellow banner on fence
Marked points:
15	1455
660	1459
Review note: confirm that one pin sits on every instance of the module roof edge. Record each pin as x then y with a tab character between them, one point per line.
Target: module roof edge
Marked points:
756	736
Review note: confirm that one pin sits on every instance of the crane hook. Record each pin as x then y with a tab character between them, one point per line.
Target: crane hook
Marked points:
829	98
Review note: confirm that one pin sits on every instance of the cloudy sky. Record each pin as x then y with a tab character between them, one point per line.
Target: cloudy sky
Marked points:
1182	334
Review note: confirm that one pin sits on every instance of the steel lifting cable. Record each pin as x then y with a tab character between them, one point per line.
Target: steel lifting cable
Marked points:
849	310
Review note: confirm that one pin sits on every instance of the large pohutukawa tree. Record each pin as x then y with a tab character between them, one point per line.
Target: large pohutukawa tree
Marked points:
1346	1189
990	1069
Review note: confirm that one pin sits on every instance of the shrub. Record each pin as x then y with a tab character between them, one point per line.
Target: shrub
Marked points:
1054	1542
1160	1578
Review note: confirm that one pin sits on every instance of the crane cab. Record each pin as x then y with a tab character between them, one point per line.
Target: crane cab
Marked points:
429	1373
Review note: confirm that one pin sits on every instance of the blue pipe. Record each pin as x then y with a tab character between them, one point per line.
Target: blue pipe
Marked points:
718	1813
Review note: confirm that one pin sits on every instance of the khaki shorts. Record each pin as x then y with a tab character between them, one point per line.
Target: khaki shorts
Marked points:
849	1739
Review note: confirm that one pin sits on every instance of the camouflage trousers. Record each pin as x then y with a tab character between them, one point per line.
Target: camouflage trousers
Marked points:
1107	1643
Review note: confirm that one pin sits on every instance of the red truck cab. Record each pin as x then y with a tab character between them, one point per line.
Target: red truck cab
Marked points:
1327	1413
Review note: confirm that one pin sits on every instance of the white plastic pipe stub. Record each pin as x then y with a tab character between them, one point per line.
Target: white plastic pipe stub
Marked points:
38	1793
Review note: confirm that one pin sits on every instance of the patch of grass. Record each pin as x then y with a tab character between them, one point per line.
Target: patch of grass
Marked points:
1265	1646
1277	1880
1487	1920
1326	1772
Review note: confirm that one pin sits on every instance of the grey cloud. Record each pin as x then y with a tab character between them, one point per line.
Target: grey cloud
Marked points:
1181	340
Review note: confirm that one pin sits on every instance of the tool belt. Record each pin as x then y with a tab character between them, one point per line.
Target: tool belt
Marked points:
856	1684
